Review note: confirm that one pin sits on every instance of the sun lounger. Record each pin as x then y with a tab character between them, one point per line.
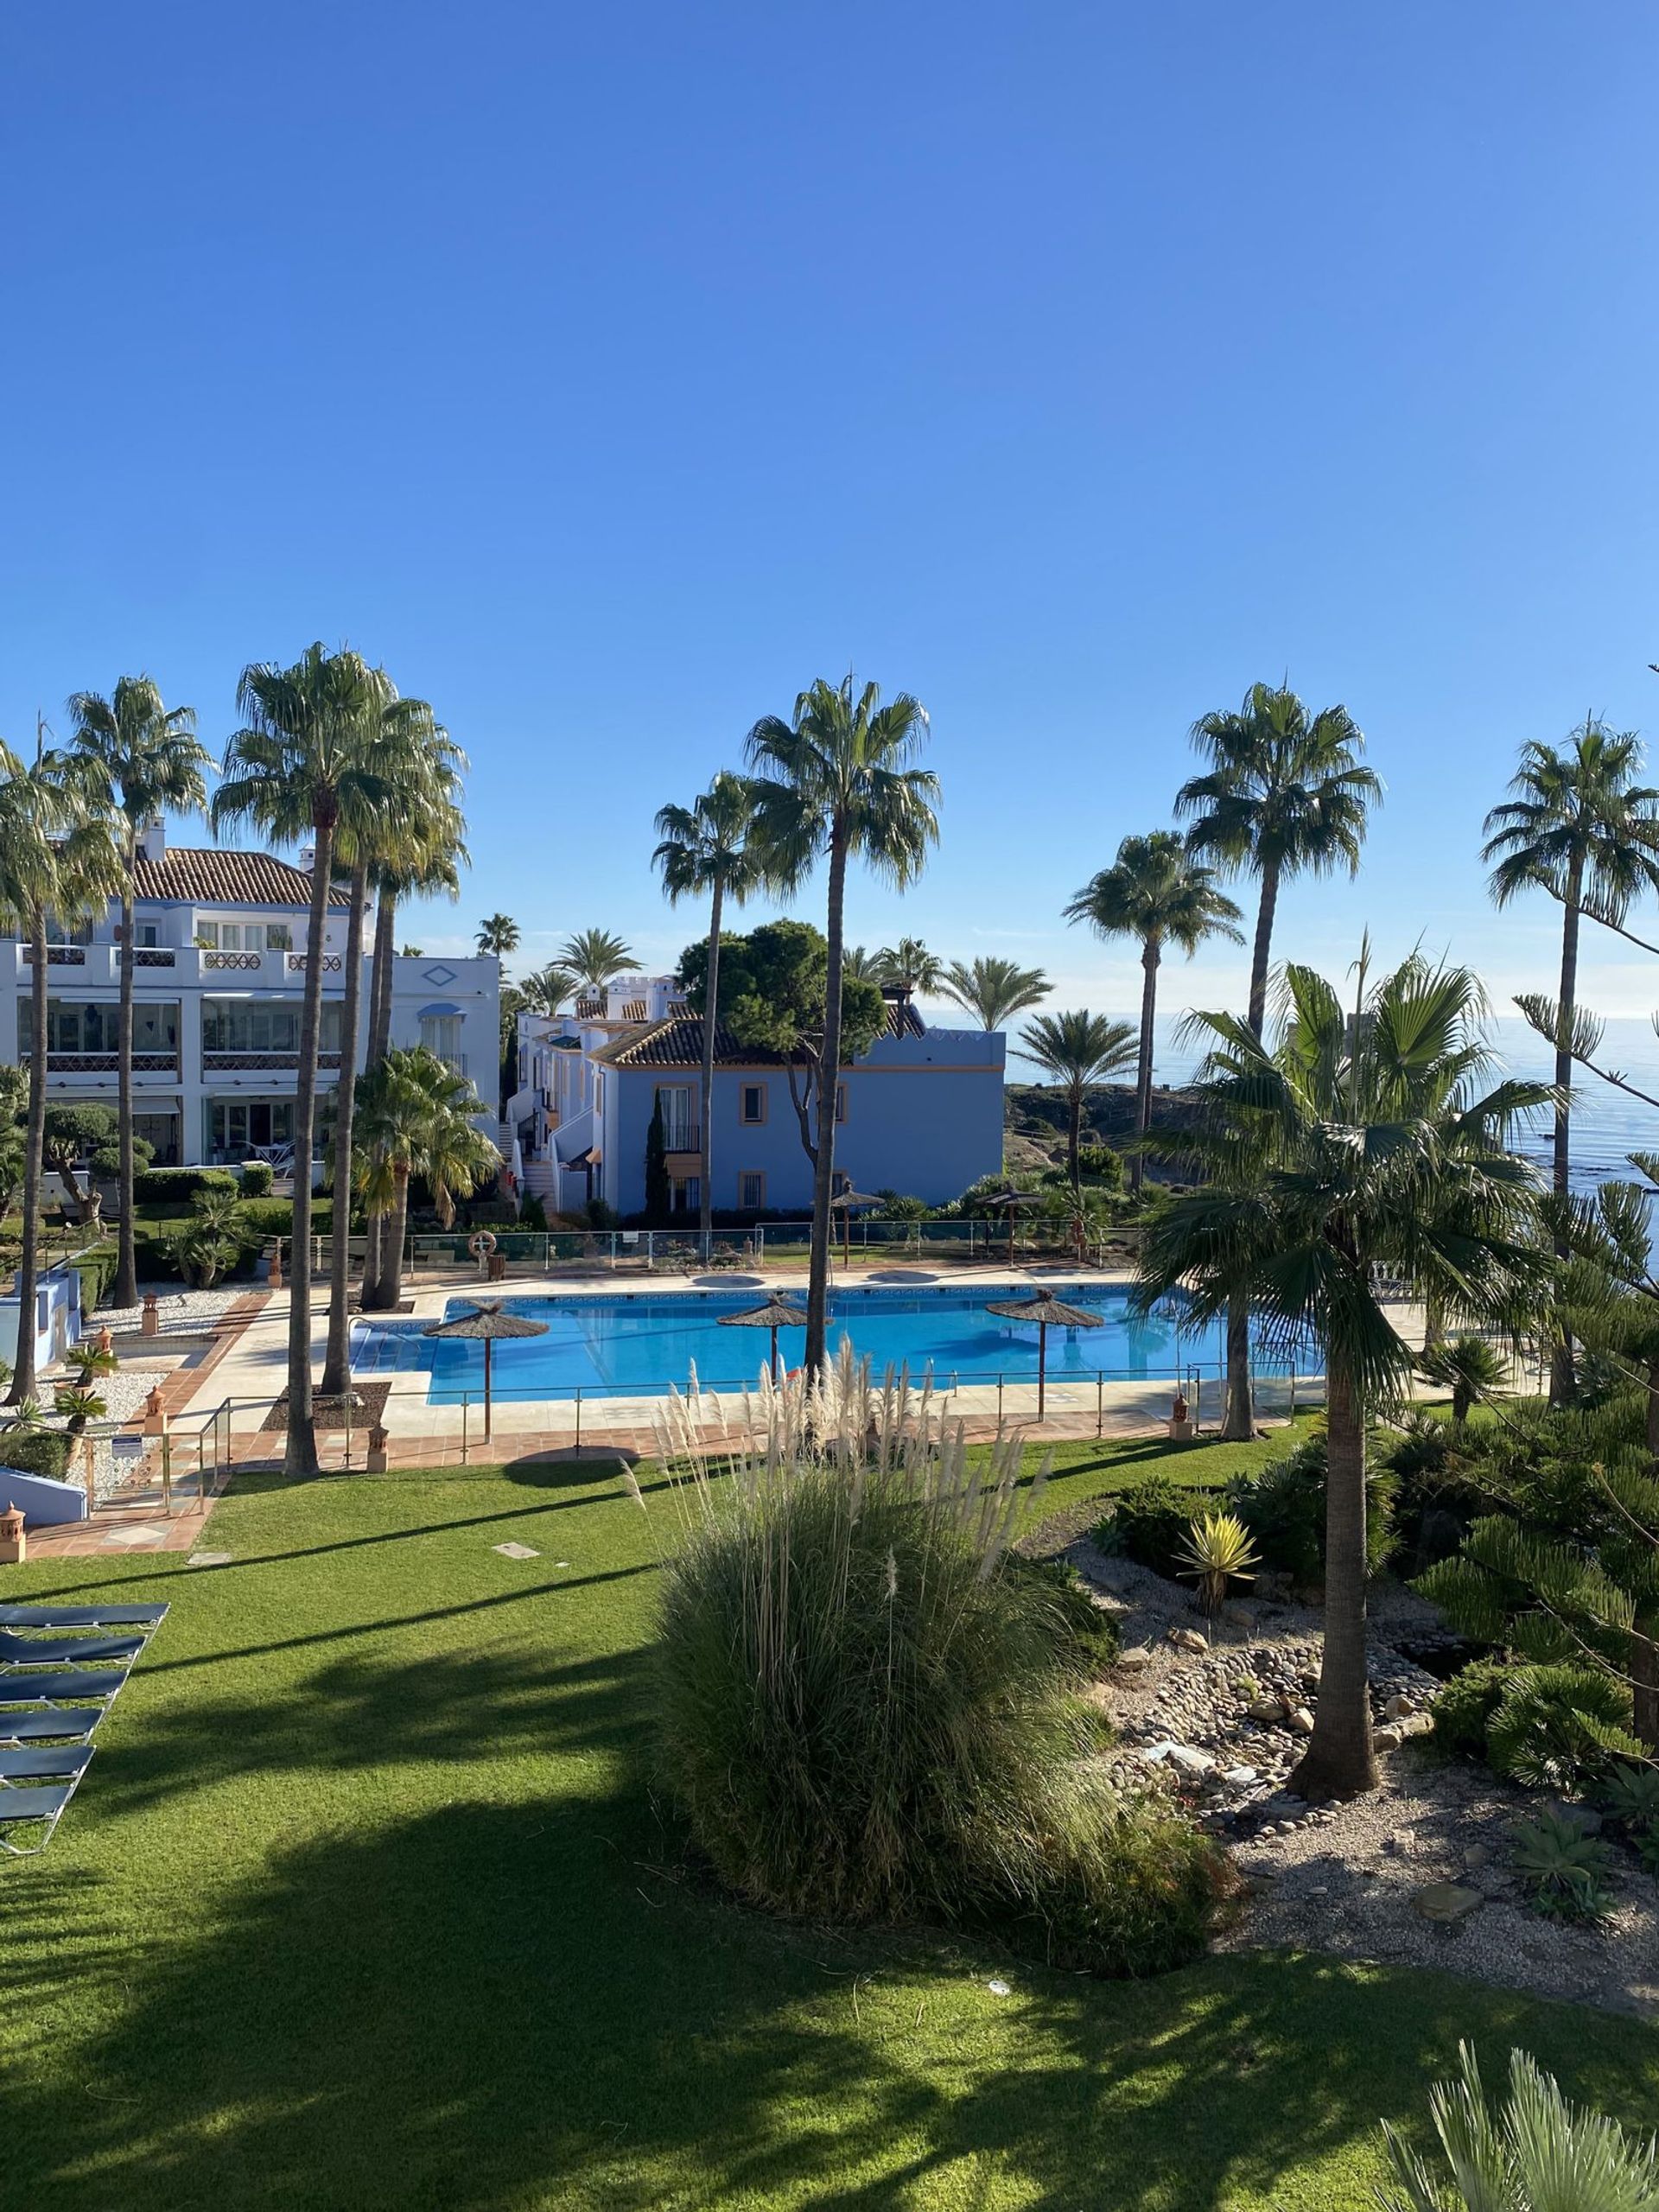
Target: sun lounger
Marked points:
47	1762
65	1651
51	1689
46	1804
68	1617
70	1721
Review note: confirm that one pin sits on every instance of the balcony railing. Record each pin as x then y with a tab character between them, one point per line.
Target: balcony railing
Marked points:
682	1140
155	955
60	956
106	1062
296	964
261	1063
244	960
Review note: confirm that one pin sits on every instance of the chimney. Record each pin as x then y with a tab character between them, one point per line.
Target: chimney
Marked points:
308	858
152	840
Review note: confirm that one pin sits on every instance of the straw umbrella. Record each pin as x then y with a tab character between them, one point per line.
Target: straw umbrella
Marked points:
1048	1312
777	1313
1009	1202
482	1324
846	1200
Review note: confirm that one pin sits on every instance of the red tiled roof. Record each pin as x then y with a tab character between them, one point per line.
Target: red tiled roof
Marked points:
206	875
678	1043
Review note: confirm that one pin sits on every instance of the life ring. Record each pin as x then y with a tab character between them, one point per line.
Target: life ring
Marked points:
480	1243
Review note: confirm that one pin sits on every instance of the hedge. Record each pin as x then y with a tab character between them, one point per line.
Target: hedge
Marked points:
258	1176
176	1186
96	1268
36	1452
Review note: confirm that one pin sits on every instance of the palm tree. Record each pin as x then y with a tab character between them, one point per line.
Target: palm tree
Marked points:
836	781
497	934
909	969
1156	892
1467	1366
419	770
1077	1049
144	760
593	957
861	964
706	847
545	990
1376	1149
1581	827
415	1118
309	750
57	857
1285	795
993	991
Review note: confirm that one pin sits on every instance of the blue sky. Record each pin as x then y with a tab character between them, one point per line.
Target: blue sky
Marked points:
608	374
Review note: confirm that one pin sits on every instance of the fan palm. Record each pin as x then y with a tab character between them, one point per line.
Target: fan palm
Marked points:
143	760
415	1118
1376	1145
1467	1366
58	857
1156	892
497	934
707	848
838	782
593	957
993	991
1076	1050
1581	827
909	969
309	750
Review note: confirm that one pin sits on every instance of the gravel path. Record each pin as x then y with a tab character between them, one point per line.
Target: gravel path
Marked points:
1219	1724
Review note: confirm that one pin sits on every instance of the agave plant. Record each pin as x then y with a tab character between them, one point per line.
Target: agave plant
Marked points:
1564	1865
1535	2153
1217	1553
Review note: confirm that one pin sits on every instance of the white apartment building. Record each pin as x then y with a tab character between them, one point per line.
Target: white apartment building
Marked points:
218	979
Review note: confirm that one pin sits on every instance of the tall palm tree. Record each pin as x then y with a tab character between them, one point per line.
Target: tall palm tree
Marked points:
309	749
497	934
415	1118
417	768
909	969
58	857
1156	892
545	990
1286	794
838	782
862	965
1581	827
593	957
993	991
142	760
1378	1148
707	848
1077	1049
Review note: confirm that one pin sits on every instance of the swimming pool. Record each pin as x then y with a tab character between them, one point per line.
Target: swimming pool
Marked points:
642	1345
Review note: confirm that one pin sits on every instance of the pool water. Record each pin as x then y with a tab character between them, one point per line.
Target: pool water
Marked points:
636	1346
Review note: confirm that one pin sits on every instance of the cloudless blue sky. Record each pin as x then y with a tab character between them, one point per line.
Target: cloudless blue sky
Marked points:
609	373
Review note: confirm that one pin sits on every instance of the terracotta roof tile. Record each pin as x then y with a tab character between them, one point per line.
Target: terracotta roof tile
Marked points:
206	875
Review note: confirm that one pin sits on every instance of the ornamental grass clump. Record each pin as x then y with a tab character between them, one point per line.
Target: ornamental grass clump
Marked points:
869	1713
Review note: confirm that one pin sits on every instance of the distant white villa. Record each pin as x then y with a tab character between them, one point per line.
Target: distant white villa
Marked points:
219	952
921	1113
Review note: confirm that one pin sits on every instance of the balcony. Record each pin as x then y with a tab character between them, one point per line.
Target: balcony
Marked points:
682	1150
58	956
162	1063
265	1063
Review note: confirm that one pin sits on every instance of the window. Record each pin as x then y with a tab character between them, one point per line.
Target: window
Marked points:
243	936
146	935
679	1127
79	1026
751	1103
750	1191
841	1101
267	1025
441	1033
237	1124
685	1194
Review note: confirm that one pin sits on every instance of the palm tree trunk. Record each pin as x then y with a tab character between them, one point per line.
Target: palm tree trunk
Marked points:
1653	1409
337	1364
1339	1761
1645	1677
1073	1133
379	1038
23	1376
125	1291
392	1244
1150	954
711	1015
1261	952
823	1172
300	1456
1562	1381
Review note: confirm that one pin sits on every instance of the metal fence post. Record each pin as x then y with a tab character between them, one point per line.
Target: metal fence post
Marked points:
1100	1403
464	1403
578	1416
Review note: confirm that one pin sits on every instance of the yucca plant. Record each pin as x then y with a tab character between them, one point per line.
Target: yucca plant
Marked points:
1535	2152
1217	1553
1563	1865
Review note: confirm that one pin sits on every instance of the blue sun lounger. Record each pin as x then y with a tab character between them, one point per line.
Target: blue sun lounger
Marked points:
48	1763
145	1618
65	1651
46	1802
74	1722
52	1690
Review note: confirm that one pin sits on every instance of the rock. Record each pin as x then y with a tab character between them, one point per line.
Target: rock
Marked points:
1584	1818
1416	1724
1189	1761
1300	1721
1132	1656
1446	1903
1268	1710
1239	1777
1396	1707
1189	1639
1386	1739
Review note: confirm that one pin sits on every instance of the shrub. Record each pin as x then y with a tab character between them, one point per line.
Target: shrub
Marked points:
1464	1705
262	1218
96	1268
1560	1727
258	1176
896	1206
1562	1866
36	1452
1282	1506
1100	1164
1150	1522
1217	1553
532	1215
1087	1631
173	1188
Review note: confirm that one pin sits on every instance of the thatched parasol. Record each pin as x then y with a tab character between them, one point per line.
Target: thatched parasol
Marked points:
846	1200
1048	1312
1009	1202
777	1313
482	1324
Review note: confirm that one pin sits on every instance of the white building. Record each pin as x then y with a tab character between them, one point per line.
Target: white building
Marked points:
220	976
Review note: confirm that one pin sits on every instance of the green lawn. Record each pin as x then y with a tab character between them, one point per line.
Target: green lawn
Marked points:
364	1905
